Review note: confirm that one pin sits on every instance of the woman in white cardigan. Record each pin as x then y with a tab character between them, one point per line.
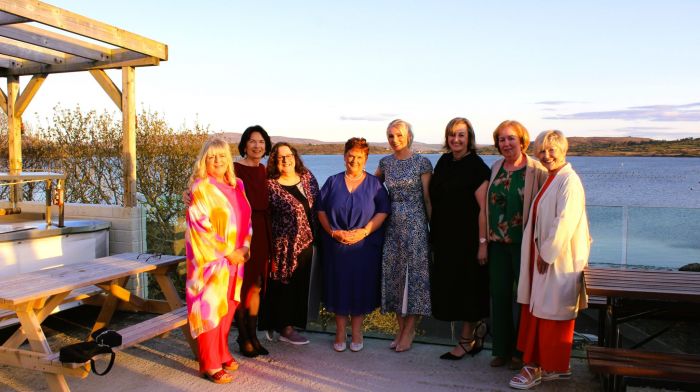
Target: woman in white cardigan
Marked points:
555	249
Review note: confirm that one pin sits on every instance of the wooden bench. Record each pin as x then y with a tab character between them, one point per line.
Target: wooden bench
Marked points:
133	335
620	363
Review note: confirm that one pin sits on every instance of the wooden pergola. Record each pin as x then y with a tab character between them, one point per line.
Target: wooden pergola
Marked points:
27	48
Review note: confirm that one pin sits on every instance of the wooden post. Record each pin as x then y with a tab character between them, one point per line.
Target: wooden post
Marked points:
14	135
129	137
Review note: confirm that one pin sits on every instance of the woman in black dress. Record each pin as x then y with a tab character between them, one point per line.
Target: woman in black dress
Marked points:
459	276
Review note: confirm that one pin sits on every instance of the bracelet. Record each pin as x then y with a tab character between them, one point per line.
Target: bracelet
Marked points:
333	234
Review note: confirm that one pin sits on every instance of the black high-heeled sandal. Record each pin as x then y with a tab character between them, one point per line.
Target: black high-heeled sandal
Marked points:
480	332
472	345
469	347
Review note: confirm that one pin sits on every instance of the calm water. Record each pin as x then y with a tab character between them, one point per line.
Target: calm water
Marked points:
645	211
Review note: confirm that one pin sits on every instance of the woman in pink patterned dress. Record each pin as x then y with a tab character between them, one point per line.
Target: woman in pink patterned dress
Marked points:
217	244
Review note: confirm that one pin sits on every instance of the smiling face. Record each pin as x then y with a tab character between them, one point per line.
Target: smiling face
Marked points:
458	140
397	138
217	164
285	160
509	144
355	160
255	147
551	156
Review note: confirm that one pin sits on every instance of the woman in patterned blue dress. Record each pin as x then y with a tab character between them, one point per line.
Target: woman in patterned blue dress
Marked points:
405	280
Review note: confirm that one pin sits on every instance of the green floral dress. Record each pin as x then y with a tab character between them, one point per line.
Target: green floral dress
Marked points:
506	206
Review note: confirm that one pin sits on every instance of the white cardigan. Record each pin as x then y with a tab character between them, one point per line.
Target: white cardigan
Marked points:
563	241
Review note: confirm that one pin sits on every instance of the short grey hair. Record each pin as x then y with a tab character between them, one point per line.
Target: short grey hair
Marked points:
551	138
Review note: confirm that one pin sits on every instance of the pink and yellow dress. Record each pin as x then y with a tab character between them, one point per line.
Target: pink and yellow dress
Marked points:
218	222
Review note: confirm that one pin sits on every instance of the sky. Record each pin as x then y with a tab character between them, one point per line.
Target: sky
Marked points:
330	70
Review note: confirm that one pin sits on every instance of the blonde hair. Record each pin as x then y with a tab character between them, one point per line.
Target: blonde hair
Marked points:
213	146
552	138
405	128
519	130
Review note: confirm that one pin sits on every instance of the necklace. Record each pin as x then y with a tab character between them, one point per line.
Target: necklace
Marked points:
349	178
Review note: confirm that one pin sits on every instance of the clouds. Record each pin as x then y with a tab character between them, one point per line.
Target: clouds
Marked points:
554	102
383	117
684	112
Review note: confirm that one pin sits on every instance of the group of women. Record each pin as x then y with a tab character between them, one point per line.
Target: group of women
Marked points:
460	242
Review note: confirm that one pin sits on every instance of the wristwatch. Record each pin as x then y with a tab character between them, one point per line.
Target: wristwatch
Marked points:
482	240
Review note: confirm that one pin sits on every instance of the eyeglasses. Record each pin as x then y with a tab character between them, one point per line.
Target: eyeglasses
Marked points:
281	158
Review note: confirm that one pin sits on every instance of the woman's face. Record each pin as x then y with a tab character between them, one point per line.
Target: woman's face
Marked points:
285	160
397	138
458	141
217	164
255	147
355	160
551	157
509	144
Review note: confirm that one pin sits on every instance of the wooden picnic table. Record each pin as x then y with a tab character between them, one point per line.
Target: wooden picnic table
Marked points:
632	293
34	295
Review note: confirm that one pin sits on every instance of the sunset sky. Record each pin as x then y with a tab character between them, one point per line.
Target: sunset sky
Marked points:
329	70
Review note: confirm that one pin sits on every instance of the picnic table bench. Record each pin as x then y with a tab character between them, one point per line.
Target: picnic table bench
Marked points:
635	293
32	297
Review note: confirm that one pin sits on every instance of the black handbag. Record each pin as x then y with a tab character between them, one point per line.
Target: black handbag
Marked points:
104	340
85	351
107	337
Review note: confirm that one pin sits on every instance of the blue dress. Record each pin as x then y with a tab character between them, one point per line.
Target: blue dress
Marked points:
405	263
352	272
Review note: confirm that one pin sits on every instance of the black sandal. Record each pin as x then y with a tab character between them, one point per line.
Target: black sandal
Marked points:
468	345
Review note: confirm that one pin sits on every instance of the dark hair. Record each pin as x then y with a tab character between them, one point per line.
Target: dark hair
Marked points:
246	136
273	172
357	142
471	139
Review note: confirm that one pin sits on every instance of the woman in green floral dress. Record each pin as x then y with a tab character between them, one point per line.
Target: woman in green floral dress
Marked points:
515	180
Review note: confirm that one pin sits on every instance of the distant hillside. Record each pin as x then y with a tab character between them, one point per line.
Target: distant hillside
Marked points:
623	146
584	146
313	146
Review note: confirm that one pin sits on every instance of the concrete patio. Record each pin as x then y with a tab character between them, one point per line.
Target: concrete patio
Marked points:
167	365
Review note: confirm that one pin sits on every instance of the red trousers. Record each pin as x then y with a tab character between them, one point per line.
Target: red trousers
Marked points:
213	344
546	343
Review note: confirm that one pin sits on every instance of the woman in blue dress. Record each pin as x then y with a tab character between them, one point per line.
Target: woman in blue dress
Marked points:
352	208
405	279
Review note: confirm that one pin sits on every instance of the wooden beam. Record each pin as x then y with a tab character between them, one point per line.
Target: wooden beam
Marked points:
14	126
31	52
65	20
129	138
28	93
31	68
108	86
51	40
13	62
3	101
6	18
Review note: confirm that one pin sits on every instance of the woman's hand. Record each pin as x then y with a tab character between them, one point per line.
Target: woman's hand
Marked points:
541	265
349	237
186	198
482	254
238	256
